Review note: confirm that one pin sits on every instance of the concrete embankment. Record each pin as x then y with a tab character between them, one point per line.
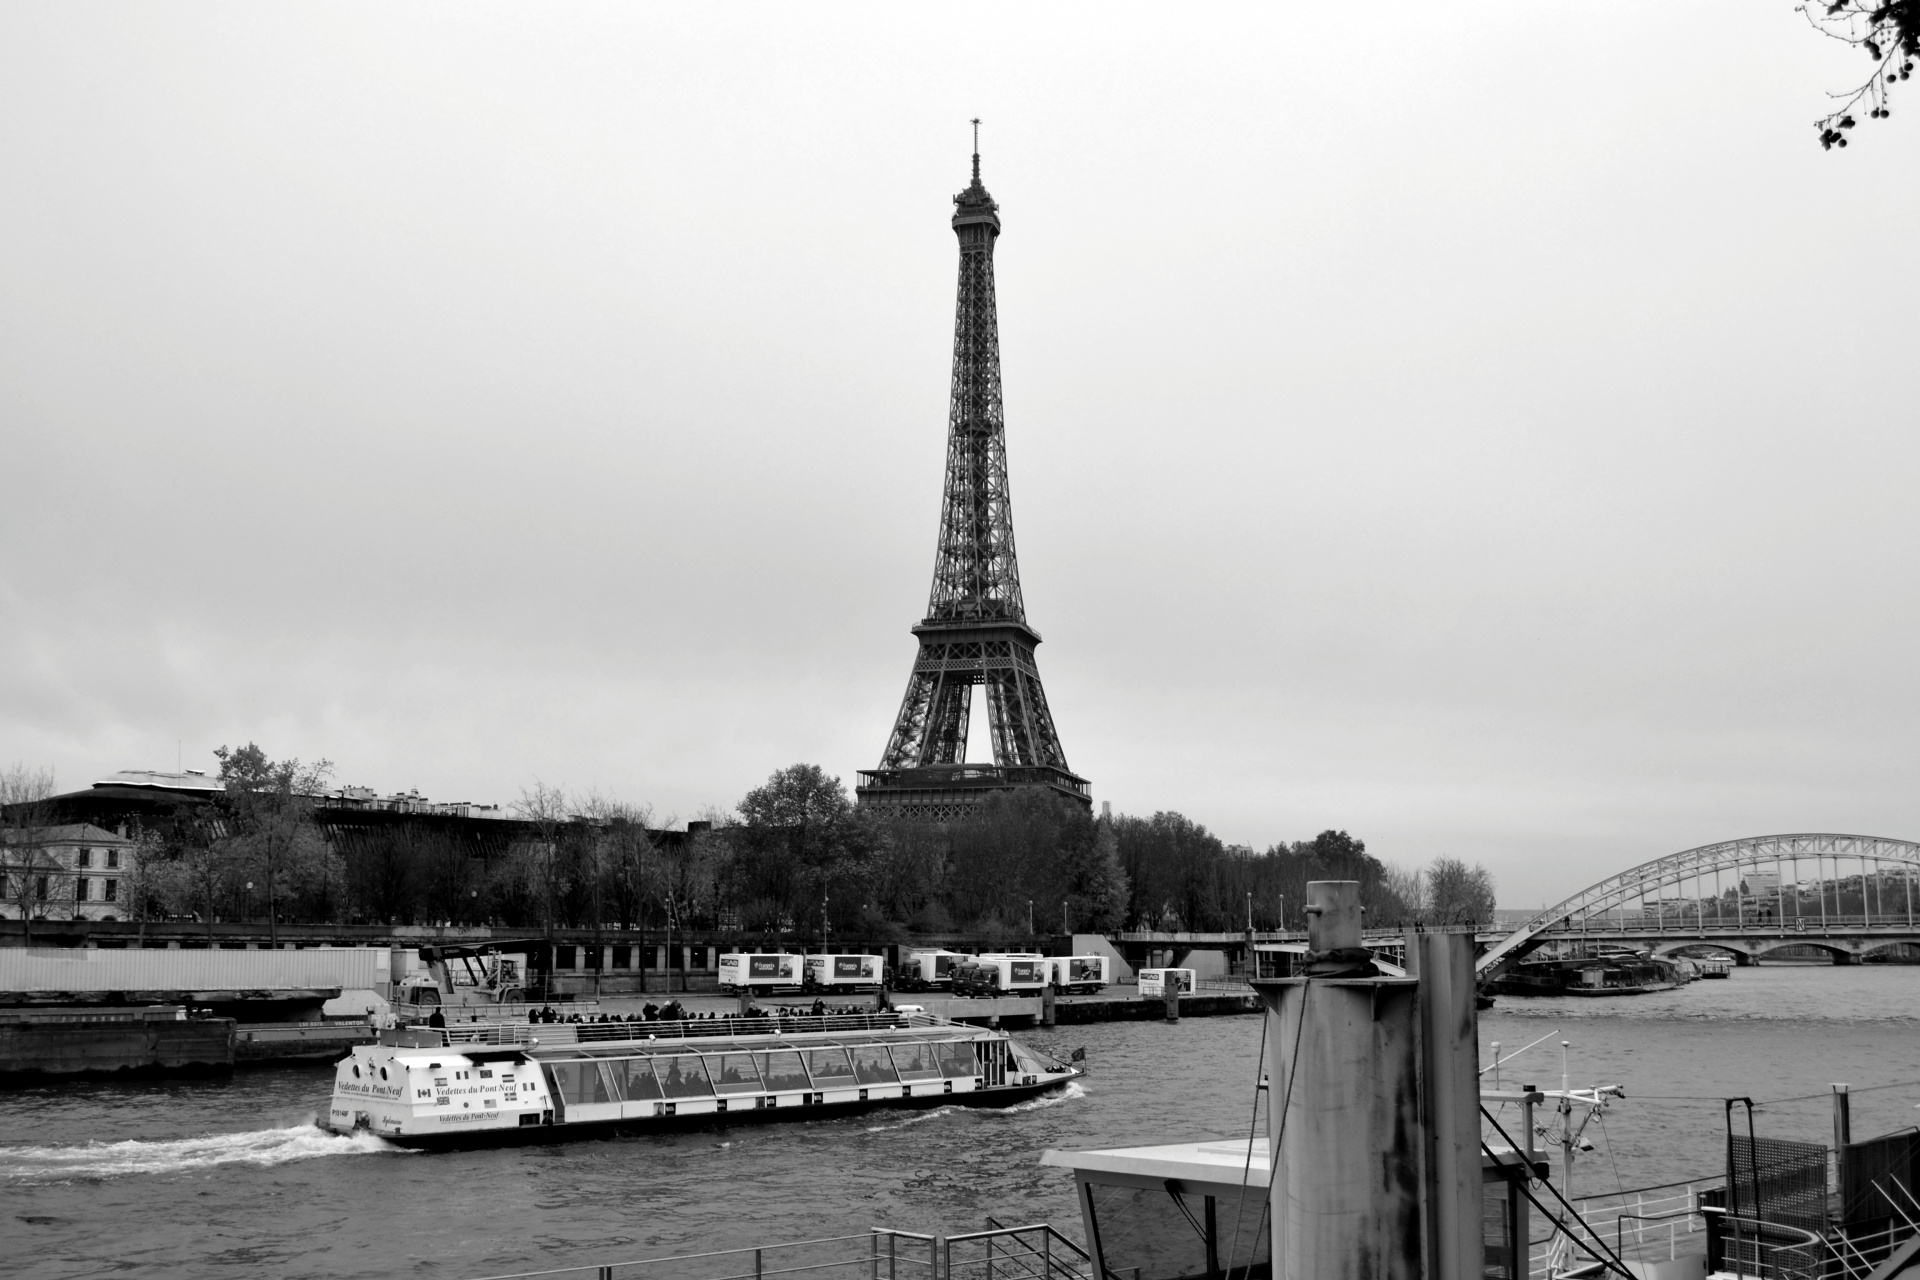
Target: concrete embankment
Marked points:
1152	1008
1029	1011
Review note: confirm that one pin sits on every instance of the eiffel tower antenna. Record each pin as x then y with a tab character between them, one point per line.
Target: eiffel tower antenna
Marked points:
975	631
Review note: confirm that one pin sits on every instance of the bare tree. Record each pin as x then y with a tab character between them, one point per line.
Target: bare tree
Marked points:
1459	894
31	875
1888	32
545	808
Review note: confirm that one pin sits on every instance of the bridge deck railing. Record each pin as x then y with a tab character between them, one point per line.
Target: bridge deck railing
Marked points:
1680	920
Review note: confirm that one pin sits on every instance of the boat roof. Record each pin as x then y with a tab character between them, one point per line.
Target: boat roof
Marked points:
1218	1160
635	1039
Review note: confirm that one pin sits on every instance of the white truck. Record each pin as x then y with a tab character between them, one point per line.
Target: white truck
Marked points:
927	970
1007	975
844	973
1153	982
1080	975
760	972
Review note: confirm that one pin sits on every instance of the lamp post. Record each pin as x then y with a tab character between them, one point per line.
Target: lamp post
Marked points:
1030	930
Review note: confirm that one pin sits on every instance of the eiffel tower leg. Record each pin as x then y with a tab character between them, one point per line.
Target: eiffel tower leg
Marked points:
907	744
947	727
1023	732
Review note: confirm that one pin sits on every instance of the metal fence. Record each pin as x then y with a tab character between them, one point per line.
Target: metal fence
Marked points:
1035	1252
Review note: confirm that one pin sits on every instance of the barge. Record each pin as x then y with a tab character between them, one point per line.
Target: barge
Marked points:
486	1085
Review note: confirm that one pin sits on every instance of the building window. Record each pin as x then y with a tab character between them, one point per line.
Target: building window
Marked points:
563	957
84	858
113	890
40	888
81	889
113	859
623	957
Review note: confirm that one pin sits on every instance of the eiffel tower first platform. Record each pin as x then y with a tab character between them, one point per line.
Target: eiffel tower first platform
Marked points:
975	631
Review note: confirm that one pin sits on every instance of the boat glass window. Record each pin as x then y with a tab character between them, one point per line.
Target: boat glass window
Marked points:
683	1077
733	1073
783	1070
1157	1235
956	1059
829	1067
1027	1061
638	1083
872	1066
580	1083
915	1062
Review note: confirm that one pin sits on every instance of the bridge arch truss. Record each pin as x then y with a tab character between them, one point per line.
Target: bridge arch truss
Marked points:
1806	883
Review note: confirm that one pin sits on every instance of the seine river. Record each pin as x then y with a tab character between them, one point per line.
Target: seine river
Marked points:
230	1178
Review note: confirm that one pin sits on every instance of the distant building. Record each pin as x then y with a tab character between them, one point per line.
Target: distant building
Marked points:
72	872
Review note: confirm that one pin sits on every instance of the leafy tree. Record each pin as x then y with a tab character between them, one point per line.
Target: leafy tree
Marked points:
801	846
271	833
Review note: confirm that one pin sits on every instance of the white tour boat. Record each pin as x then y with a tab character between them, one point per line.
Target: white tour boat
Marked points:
489	1084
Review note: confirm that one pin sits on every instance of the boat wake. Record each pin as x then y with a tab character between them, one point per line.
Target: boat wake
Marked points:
262	1148
1073	1090
919	1117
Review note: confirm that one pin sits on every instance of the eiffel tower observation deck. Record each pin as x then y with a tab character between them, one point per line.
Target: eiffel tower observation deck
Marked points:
975	631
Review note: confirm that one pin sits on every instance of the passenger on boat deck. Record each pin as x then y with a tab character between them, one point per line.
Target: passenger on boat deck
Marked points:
819	1008
649	1011
436	1018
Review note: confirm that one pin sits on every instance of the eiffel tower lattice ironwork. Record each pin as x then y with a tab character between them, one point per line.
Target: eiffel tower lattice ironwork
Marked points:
975	631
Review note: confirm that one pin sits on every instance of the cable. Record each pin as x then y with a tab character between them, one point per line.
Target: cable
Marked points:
1619	1184
1280	1131
1770	1102
1517	1150
1246	1170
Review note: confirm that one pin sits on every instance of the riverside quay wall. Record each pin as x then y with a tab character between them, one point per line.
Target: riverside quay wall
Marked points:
155	1040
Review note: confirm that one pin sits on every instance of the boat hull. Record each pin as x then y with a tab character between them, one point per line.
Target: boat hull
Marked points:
583	1130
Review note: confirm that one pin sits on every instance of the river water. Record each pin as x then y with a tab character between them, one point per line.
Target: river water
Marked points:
229	1178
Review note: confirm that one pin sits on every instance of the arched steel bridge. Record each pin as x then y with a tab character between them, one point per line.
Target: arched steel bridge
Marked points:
1846	895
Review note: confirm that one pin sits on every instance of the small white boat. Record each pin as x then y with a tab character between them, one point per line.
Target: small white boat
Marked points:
483	1085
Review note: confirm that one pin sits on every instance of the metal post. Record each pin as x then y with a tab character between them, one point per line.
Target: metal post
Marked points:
1842	1133
893	1261
989	1258
873	1256
757	1272
1817	870
1046	1254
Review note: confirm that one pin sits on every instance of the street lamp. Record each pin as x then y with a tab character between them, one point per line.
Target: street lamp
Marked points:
1029	917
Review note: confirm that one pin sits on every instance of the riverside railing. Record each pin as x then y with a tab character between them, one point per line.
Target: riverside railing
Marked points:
1641	1224
1035	1252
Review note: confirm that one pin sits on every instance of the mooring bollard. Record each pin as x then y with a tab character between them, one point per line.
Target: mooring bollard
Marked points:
1173	996
1047	999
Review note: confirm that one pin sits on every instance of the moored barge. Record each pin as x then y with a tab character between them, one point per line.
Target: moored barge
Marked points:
492	1084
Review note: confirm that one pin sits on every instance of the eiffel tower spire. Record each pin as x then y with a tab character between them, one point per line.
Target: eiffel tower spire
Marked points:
975	631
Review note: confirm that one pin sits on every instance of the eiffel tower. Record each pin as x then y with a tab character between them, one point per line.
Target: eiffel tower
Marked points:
975	631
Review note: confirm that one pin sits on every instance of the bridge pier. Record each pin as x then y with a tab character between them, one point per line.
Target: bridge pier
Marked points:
1845	957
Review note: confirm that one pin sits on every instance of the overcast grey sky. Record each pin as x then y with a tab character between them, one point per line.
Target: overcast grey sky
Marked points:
1484	428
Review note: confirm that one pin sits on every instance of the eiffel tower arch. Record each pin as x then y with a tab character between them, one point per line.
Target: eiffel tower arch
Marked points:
975	631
